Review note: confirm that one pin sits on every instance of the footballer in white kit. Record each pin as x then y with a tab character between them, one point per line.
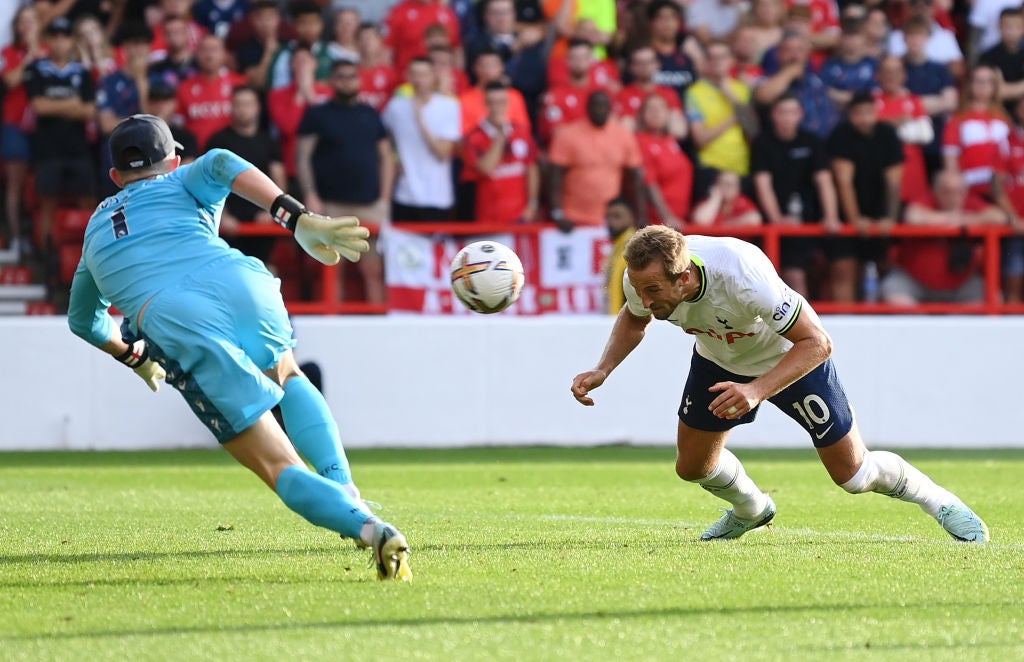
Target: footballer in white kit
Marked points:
756	340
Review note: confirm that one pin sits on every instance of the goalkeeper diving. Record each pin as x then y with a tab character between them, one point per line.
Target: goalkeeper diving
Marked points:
212	322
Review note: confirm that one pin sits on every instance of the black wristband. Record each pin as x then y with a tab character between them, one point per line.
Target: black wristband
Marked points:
286	210
137	354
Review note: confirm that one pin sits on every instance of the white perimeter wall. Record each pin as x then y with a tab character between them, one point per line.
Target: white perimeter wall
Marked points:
415	381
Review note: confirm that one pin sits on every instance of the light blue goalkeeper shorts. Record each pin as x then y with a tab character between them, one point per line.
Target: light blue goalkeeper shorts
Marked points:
215	334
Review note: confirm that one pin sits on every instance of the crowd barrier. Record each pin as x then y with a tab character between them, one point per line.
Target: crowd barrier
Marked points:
770	236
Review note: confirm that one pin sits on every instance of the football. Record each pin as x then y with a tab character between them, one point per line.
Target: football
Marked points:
487	276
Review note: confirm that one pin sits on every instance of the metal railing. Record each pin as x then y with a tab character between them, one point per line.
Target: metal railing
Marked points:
770	237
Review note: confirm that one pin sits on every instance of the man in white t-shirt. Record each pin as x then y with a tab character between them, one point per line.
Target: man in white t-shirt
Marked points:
756	340
425	127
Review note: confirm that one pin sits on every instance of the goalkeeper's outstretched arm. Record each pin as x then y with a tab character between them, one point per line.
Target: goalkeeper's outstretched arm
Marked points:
326	239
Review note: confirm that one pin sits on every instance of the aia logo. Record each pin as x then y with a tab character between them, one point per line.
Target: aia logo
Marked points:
729	338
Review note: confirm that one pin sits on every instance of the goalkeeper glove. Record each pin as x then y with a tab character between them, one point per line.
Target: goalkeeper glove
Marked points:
326	239
137	358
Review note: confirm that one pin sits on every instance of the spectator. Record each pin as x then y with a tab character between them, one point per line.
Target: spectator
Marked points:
193	32
851	69
795	76
643	70
589	157
178	62
521	47
867	162
621	223
667	169
501	158
345	35
766	26
566	103
425	127
244	137
286	105
93	49
824	27
124	92
592	20
940	45
941	269
712	19
309	28
377	78
372	11
1008	57
256	51
407	24
501	33
163	102
1013	247
488	68
985	21
217	16
793	185
906	112
876	32
975	140
62	94
746	61
204	100
344	158
933	83
451	79
726	205
722	120
16	57
680	57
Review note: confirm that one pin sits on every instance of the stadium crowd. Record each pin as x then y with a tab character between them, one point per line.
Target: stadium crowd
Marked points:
687	114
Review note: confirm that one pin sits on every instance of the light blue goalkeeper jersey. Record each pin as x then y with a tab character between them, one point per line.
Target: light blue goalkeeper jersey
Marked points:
147	238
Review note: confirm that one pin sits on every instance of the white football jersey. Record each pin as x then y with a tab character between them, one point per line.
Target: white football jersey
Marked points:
741	311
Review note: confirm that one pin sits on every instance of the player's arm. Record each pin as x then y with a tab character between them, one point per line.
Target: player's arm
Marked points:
811	347
626	334
326	239
90	320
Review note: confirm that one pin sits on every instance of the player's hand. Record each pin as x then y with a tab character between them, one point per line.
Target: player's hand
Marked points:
586	382
734	400
137	358
329	239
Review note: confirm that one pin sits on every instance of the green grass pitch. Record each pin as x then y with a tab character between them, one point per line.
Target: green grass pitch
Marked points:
518	554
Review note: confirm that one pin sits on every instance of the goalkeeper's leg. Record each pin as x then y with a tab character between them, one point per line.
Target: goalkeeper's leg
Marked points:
266	451
312	429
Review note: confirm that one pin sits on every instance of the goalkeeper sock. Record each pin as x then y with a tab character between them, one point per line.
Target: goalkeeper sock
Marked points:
321	501
309	423
730	481
889	474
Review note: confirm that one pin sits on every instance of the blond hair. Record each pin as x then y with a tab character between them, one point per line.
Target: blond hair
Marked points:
661	243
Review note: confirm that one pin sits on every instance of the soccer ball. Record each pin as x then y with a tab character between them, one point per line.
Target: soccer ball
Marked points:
487	276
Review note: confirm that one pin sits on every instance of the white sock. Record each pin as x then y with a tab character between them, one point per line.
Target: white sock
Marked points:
353	492
889	474
730	481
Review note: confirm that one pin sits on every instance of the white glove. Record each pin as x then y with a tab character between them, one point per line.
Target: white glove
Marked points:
137	358
329	239
325	238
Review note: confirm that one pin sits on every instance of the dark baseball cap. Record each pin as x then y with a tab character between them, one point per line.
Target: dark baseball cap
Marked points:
140	141
59	25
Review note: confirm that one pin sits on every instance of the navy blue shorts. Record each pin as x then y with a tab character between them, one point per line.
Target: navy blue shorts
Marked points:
816	401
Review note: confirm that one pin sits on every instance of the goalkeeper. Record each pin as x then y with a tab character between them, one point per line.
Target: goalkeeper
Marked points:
212	321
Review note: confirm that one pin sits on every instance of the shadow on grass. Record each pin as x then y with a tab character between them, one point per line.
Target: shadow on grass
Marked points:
697	611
